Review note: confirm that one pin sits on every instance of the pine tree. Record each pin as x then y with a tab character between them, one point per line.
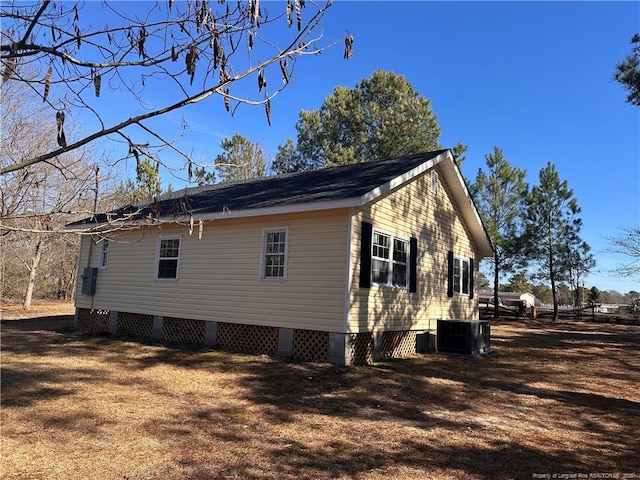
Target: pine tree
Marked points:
627	72
382	117
241	159
552	227
499	195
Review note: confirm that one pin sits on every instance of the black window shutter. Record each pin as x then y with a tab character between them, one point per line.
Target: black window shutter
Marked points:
366	237
413	265
450	274
472	274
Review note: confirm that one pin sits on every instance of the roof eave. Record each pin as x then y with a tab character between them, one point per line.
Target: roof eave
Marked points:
447	166
452	175
228	214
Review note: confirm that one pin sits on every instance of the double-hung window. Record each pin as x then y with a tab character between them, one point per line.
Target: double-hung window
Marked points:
399	264
380	261
274	258
461	275
168	258
103	261
389	260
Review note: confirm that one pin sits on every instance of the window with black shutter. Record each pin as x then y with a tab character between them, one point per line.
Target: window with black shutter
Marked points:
386	259
460	275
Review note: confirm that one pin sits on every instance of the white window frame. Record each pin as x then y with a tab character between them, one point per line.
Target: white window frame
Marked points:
434	184
159	258
265	253
461	280
103	253
395	262
389	260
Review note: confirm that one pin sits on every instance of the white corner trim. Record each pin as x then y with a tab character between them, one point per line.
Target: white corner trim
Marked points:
348	286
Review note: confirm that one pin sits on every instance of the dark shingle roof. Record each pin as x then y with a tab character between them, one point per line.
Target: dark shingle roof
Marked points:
334	183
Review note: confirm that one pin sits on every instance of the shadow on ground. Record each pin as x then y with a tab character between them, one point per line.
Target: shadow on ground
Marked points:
552	398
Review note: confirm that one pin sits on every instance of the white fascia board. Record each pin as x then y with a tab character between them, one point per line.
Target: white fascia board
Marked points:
402	179
206	216
257	212
96	228
470	213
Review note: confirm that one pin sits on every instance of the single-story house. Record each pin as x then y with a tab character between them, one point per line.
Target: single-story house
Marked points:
344	264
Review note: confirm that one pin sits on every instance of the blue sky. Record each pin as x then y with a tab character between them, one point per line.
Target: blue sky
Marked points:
533	78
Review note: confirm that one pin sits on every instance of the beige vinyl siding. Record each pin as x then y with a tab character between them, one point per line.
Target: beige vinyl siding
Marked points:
413	211
85	250
220	274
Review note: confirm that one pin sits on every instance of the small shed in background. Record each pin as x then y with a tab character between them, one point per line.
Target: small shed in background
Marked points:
508	299
512	299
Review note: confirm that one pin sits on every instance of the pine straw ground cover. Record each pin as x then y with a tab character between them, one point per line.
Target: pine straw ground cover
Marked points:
554	398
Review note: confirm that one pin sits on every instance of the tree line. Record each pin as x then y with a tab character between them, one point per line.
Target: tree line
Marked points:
581	297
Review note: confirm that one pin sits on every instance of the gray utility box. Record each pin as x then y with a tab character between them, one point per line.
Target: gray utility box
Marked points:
89	278
465	337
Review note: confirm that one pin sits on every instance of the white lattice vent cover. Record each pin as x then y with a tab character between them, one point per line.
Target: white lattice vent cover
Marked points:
135	325
94	321
310	346
247	338
398	344
361	348
183	331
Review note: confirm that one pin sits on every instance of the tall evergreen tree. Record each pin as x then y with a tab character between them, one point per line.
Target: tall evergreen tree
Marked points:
627	72
552	227
519	283
289	159
499	195
148	180
203	177
241	159
459	150
382	117
146	186
593	297
579	263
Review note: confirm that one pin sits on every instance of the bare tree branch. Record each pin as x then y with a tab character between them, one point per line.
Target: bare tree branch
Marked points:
627	243
172	45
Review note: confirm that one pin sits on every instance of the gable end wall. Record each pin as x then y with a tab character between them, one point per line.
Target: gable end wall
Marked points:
413	211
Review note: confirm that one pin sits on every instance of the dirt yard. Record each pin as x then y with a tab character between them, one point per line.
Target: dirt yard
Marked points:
40	308
558	398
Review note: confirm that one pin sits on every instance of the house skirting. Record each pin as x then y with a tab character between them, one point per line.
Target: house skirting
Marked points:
341	349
